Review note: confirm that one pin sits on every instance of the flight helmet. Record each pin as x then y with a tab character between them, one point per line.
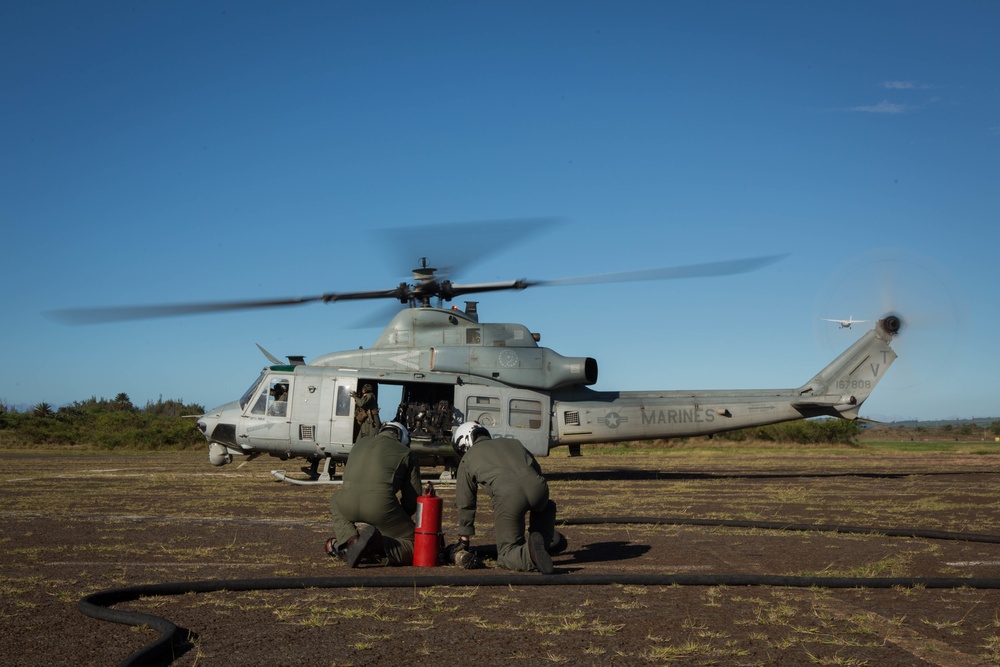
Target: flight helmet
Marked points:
466	434
398	430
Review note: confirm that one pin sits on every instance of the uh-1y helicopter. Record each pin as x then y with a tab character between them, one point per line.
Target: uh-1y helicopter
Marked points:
449	367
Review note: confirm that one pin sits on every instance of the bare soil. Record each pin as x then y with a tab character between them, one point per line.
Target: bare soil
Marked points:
74	524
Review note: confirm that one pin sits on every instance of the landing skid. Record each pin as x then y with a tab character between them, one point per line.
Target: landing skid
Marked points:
314	481
444	478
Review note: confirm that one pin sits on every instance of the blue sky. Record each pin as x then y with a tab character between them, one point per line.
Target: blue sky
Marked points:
208	151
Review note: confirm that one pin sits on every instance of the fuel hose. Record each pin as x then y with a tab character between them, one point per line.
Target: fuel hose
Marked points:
174	640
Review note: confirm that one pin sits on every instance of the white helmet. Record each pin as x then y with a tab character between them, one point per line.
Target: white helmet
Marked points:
465	435
398	430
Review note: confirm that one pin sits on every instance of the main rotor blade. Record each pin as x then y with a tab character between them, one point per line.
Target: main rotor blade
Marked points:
705	270
405	292
667	273
123	313
453	247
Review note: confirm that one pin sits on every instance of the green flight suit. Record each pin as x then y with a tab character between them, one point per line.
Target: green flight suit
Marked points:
513	478
367	414
377	469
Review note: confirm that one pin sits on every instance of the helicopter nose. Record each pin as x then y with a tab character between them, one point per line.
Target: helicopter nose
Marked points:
208	423
204	427
219	425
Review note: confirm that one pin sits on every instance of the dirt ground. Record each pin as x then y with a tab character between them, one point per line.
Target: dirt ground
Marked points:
74	524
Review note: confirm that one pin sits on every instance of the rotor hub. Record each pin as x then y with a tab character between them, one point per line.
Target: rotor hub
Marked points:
892	324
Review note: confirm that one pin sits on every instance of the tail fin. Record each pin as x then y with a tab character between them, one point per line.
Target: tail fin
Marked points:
839	389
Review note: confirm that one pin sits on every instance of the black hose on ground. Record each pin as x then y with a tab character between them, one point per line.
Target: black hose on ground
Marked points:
777	525
174	640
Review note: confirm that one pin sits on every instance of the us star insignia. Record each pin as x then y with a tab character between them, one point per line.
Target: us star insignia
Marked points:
612	420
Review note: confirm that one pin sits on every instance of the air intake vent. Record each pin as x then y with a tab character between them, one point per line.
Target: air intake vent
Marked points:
307	432
571	418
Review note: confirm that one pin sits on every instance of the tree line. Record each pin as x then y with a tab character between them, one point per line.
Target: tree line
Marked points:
103	423
802	431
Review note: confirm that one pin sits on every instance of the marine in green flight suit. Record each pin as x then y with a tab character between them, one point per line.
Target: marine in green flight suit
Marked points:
366	413
513	479
381	486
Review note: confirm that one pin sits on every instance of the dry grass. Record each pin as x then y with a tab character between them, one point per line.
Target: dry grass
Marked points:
75	525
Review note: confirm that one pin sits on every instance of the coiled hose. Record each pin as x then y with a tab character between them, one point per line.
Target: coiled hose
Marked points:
163	650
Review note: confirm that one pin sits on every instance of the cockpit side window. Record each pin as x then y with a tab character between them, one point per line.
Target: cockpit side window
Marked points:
273	398
277	398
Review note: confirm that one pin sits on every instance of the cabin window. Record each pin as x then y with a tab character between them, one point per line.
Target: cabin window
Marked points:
273	399
343	400
277	398
525	413
484	409
472	336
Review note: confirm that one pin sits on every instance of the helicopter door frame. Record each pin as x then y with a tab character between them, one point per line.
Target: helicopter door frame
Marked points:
508	412
342	415
266	421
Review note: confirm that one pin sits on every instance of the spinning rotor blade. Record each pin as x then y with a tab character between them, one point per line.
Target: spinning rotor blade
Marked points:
455	246
672	272
405	293
461	241
123	313
458	244
666	273
917	289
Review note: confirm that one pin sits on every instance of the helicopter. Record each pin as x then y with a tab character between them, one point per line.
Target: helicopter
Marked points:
450	367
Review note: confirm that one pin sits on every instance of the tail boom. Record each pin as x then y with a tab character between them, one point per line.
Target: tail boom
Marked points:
584	416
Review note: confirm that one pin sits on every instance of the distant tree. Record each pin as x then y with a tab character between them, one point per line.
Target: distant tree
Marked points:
123	402
172	408
43	410
967	429
947	427
995	428
91	405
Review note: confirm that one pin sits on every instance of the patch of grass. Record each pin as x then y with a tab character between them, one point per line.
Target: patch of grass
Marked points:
991	648
687	650
896	565
835	660
555	624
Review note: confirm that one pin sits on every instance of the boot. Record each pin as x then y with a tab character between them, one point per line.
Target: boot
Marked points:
375	553
337	551
356	546
467	559
539	556
558	543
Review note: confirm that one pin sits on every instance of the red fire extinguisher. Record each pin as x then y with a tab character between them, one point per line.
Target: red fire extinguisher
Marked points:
428	539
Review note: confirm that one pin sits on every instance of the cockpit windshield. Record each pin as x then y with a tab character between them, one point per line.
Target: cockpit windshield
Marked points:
250	392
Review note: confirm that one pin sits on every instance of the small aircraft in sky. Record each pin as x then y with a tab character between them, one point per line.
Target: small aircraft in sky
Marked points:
845	324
